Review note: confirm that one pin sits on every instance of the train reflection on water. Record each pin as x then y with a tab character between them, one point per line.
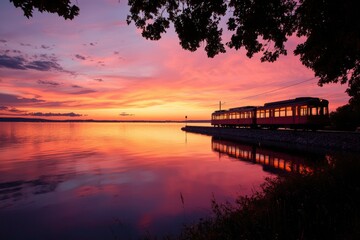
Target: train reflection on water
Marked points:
273	160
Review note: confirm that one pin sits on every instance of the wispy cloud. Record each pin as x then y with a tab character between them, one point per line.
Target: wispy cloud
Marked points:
44	66
45	46
51	83
12	62
6	110
26	44
20	63
11	109
85	91
78	56
50	114
125	114
10	99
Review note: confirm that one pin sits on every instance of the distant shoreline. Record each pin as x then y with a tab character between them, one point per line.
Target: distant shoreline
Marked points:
18	119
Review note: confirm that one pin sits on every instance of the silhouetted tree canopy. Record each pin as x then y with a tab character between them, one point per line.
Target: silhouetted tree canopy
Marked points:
331	29
62	7
346	117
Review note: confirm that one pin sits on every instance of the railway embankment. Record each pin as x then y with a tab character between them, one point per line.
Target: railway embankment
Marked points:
330	140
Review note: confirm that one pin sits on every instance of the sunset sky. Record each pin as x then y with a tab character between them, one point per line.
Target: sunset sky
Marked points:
98	67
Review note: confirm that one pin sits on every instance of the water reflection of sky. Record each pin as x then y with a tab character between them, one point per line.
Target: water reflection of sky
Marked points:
102	181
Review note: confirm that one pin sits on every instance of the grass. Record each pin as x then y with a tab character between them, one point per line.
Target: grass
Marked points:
324	204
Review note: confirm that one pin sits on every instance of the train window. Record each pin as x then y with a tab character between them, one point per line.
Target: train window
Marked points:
289	111
282	112
261	113
314	111
303	110
277	112
267	113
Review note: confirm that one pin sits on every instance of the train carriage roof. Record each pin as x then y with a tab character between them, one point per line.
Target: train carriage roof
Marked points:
245	108
297	101
237	109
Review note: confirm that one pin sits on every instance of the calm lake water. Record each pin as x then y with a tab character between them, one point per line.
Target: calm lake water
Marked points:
121	180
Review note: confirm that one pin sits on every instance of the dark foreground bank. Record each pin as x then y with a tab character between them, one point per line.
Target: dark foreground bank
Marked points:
344	141
318	205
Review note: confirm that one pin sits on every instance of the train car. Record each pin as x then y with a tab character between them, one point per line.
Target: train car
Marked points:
235	117
303	112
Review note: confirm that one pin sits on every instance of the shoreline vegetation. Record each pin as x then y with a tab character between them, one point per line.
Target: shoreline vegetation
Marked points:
323	204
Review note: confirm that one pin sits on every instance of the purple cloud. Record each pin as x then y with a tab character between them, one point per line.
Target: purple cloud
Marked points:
44	66
25	44
51	83
85	91
10	99
11	110
44	46
78	56
20	63
12	62
50	114
15	110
